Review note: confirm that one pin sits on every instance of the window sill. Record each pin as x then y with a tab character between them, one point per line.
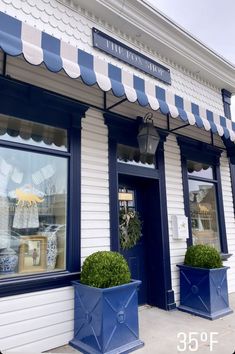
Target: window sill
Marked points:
41	282
225	256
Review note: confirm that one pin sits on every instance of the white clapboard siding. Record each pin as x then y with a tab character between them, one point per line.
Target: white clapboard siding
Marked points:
97	234
99	242
36	321
95	224
35	336
87	251
26	313
95	207
175	205
91	198
43	344
229	219
17	329
99	181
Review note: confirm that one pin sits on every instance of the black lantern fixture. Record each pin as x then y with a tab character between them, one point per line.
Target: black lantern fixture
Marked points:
148	137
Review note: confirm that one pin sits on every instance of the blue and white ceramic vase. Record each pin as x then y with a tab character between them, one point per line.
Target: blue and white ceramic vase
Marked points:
51	250
8	261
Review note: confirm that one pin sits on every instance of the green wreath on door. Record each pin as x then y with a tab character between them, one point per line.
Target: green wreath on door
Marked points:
130	227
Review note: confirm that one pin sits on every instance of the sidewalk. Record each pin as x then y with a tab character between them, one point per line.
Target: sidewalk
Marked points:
159	330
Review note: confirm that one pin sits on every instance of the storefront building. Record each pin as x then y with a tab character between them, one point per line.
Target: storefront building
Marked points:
77	78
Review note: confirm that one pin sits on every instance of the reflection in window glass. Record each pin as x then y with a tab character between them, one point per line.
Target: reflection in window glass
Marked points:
31	133
203	211
198	169
132	156
33	199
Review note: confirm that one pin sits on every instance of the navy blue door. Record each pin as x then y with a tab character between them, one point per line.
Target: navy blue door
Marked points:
137	255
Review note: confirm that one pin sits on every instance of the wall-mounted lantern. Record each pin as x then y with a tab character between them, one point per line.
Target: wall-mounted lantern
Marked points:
148	137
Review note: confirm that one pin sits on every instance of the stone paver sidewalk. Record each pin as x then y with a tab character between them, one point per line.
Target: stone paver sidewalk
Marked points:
164	333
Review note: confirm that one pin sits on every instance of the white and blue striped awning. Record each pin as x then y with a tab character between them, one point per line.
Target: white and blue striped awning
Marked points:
38	47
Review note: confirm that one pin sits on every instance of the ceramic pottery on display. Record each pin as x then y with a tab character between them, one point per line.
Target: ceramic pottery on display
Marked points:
4	221
51	249
50	233
8	261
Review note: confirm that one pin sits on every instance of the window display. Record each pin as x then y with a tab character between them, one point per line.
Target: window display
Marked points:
33	209
203	204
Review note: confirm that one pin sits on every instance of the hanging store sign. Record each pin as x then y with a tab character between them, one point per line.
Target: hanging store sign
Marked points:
130	56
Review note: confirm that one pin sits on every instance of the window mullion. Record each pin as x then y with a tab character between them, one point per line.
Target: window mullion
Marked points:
194	178
37	149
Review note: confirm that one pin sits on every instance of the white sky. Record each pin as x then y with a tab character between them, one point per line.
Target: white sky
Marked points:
211	21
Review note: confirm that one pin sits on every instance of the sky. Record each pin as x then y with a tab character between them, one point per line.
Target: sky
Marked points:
211	21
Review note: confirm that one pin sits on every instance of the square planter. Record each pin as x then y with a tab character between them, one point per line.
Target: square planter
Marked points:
106	320
204	292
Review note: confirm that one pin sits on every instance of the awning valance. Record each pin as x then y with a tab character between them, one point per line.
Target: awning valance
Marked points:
38	47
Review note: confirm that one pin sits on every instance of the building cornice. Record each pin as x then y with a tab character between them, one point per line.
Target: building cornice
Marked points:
140	20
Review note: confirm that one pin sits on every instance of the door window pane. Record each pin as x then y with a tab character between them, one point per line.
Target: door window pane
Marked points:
203	210
33	209
132	156
126	198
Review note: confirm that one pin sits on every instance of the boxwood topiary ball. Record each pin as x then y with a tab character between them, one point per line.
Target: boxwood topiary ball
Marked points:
203	256
105	269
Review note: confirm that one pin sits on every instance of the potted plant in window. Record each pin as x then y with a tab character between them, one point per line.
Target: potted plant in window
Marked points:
203	283
106	306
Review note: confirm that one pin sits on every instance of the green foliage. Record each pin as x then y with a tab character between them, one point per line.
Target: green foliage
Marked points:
203	256
105	269
129	228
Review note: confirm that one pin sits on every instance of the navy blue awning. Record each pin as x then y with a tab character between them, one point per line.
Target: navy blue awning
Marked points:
38	47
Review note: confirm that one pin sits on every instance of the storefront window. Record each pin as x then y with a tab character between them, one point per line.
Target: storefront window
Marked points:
203	204
33	205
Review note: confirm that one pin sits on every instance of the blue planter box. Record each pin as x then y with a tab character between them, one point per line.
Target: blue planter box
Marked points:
204	292
106	320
